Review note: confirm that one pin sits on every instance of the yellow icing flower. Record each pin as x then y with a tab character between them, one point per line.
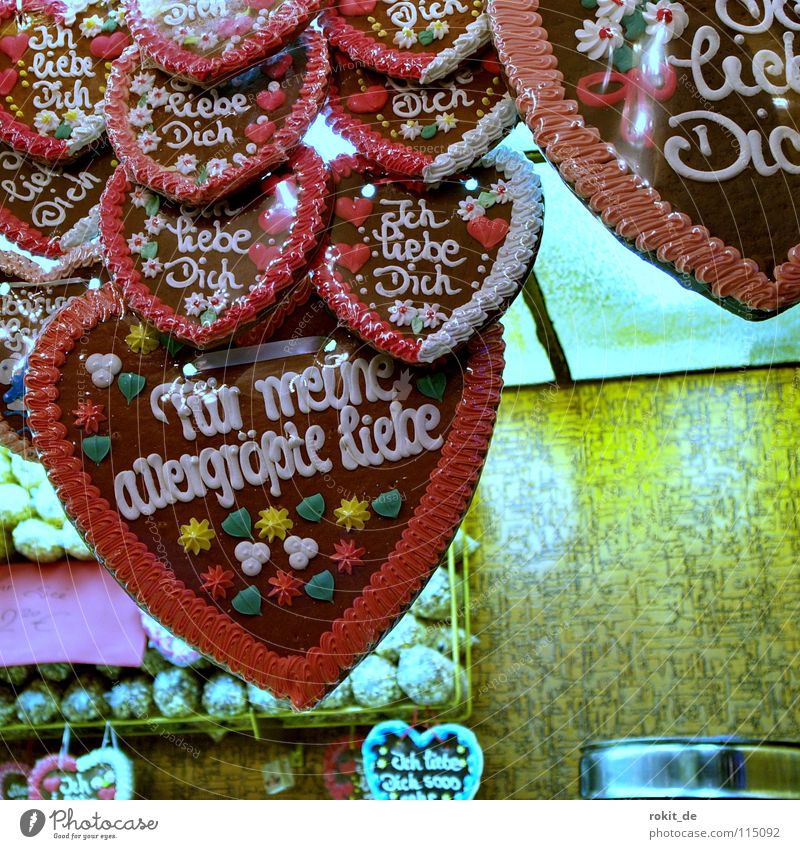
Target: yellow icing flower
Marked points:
352	514
143	339
196	536
274	522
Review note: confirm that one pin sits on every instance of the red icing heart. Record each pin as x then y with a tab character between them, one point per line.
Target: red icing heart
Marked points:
269	101
354	210
351	8
109	46
275	221
352	257
488	231
8	79
107	793
371	100
262	255
491	65
51	783
259	133
276	68
14	46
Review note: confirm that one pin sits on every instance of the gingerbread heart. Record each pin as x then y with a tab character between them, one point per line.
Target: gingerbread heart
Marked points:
433	277
412	40
662	119
198	144
47	209
430	131
277	506
206	41
52	76
102	774
13	775
203	273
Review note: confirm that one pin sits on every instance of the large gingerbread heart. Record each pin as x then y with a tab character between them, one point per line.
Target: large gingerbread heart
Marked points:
277	507
204	273
54	61
208	40
412	39
197	144
430	131
417	271
14	780
103	774
673	121
49	210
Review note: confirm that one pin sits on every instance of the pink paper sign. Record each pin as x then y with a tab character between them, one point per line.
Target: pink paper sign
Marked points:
67	613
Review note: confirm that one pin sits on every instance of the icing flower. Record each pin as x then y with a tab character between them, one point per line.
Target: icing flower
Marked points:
666	19
217	581
73	117
599	38
103	368
439	28
401	388
46	121
405	37
151	267
216	167
142	83
91	26
285	586
346	555
136	242
470	209
157	97
218	302
89	416
143	339
251	556
154	224
195	304
140	116
187	163
207	41
615	10
300	551
274	522
410	129
446	122
352	514
500	192
431	315
196	536
140	197
402	313
148	141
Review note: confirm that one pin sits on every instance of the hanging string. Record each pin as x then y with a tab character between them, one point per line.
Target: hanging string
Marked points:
64	751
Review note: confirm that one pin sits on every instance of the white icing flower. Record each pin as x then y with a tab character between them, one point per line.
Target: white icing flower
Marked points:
410	129
46	121
74	117
469	208
187	163
402	313
300	551
252	556
615	10
195	304
599	38
207	41
154	224
136	242
140	116
151	267
142	83
91	26
140	197
439	28
446	122
148	141
666	19
216	167
181	33
218	302
157	97
431	315
103	368
405	37
500	192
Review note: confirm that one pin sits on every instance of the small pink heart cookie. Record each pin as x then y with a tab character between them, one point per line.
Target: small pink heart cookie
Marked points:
416	270
103	774
13	775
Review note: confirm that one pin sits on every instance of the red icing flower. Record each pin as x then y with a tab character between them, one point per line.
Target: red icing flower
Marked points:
89	415
347	555
285	586
217	581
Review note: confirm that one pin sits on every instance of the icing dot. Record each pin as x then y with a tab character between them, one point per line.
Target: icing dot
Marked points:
241	435
367	420
412	266
363	291
481	269
251	148
359	278
739	39
372	306
251	434
485	257
202	260
374	253
366	241
762	113
362	229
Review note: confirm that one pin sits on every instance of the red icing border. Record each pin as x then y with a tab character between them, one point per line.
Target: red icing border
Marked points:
153	585
45	765
313	212
596	172
146	171
286	24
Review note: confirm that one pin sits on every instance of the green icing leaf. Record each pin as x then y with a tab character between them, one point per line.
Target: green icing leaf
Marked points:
417	324
189	40
433	385
142	101
170	343
623	59
589	4
64	131
238	524
312	508
388	504
202	175
487	200
149	251
110	25
130	384
320	587
208	317
152	205
634	25
425	37
247	602
96	448
429	132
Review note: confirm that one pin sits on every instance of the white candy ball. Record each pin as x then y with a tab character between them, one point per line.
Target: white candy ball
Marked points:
261	552
102	378
251	567
309	548
293	545
298	561
243	550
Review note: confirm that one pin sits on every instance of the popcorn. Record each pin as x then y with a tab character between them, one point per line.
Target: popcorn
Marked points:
224	696
73	545
262	701
38	541
374	683
131	699
176	693
15	505
37	705
47	505
425	676
28	474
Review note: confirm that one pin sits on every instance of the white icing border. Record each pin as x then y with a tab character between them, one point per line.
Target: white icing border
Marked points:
470	41
474	143
83	231
513	258
118	761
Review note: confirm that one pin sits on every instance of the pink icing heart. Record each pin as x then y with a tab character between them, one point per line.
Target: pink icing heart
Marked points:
107	793
109	46
262	255
271	100
488	231
52	783
259	133
275	221
352	257
350	8
354	210
8	79
14	45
